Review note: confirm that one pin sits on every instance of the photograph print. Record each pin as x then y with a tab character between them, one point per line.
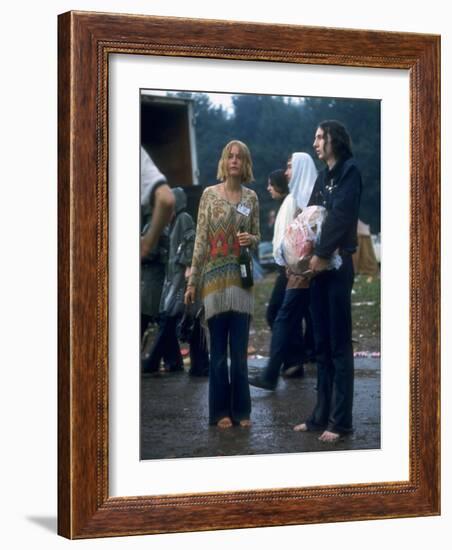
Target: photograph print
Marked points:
259	274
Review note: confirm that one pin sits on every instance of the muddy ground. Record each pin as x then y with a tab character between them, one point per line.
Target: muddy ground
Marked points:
174	415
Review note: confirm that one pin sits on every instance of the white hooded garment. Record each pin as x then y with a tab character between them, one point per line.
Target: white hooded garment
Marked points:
304	174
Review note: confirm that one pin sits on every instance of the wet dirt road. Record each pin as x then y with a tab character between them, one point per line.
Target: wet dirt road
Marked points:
174	416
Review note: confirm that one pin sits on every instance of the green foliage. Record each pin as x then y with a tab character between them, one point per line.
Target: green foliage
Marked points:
274	127
366	313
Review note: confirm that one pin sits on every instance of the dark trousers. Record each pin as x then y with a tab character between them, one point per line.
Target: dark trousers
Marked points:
332	323
293	347
308	335
287	341
277	296
166	347
229	392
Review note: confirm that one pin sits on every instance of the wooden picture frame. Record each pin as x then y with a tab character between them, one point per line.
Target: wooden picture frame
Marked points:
85	508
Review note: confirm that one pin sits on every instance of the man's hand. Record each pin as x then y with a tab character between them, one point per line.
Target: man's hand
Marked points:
144	248
190	295
317	264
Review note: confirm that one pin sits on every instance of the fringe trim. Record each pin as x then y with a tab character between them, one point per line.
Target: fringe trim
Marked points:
230	299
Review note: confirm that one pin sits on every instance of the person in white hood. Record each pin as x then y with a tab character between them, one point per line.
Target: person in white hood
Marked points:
278	188
287	349
302	175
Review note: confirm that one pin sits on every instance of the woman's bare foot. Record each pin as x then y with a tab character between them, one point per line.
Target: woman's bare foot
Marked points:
224	423
246	423
329	437
300	427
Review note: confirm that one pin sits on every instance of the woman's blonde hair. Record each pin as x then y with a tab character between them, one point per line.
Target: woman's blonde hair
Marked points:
247	164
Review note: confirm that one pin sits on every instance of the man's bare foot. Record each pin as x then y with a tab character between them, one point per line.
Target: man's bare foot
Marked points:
300	427
224	423
246	423
329	437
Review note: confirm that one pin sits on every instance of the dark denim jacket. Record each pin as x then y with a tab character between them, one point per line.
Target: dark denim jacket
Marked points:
339	191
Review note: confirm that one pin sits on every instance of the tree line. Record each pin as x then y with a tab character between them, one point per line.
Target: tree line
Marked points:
274	127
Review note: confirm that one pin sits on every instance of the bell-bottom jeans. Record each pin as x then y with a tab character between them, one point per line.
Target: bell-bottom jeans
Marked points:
229	391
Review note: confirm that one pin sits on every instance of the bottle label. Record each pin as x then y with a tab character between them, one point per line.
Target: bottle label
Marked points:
243	270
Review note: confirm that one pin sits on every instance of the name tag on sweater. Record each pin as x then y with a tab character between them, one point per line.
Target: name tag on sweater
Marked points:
244	210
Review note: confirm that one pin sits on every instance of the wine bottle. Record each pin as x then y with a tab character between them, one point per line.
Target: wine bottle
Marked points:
246	265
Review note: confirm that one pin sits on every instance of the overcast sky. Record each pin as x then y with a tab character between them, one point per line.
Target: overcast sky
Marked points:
217	99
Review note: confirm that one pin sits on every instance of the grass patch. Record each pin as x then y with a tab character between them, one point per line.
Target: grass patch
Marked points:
365	314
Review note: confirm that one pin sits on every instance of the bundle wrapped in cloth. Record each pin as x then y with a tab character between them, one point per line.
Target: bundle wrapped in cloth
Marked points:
299	240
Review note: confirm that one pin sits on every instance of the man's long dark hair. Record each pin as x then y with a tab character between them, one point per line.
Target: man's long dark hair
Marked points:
340	140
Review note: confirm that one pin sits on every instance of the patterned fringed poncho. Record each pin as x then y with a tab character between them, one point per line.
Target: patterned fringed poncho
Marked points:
215	265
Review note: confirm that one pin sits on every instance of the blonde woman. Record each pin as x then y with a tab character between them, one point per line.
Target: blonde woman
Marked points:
228	218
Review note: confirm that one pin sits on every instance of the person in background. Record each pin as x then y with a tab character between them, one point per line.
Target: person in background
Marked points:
286	347
228	218
301	174
157	206
181	242
279	190
338	189
156	196
278	187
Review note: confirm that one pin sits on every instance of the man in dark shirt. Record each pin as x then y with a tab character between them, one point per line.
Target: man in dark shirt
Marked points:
338	189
